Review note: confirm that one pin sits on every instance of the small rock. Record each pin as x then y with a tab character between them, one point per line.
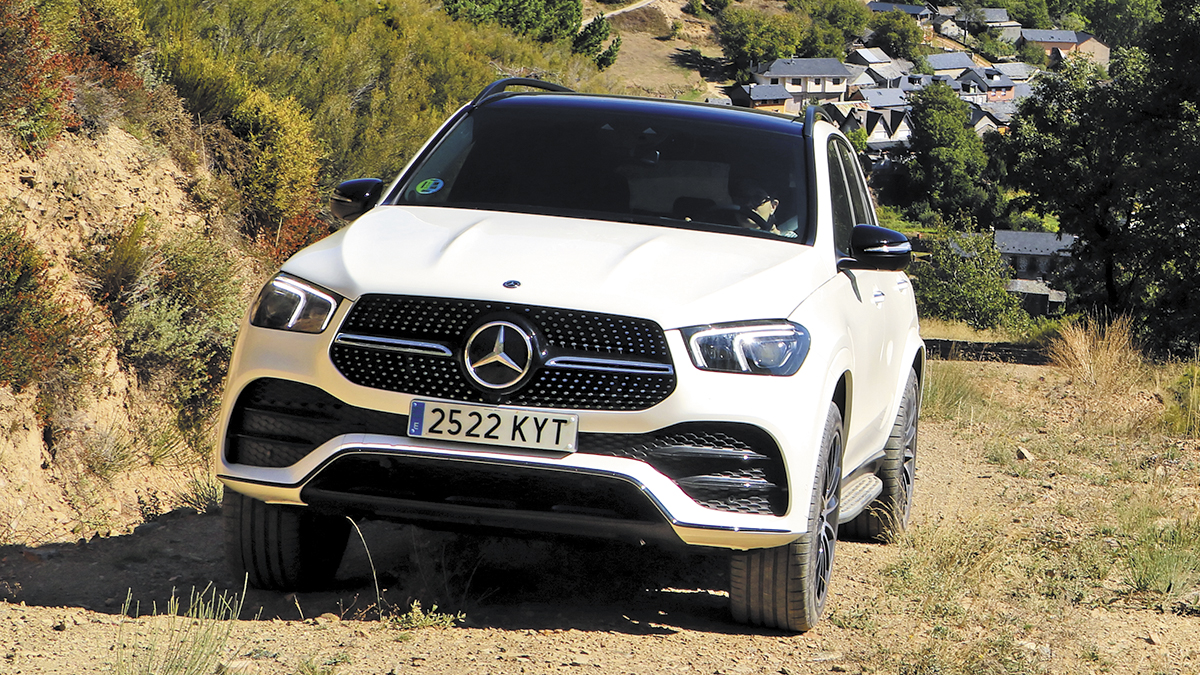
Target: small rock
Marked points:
1154	638
1025	455
826	656
1111	543
1040	650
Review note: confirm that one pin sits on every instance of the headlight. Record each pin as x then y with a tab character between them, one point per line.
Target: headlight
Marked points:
759	348
287	303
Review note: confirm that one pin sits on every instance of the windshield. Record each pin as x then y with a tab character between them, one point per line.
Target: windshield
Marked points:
616	164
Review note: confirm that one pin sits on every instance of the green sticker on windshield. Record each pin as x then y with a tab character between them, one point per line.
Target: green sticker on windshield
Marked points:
430	186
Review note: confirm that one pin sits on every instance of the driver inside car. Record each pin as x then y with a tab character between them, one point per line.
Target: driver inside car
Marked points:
756	208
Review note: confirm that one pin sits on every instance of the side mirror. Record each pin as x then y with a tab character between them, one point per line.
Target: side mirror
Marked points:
353	198
877	248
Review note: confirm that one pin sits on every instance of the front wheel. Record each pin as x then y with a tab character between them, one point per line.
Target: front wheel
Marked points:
282	547
786	587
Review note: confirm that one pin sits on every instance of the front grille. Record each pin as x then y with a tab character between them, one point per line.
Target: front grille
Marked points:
593	361
447	320
726	466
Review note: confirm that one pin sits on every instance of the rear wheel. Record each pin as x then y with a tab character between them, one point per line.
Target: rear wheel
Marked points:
786	586
282	547
889	513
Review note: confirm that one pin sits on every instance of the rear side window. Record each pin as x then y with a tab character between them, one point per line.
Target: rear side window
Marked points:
840	202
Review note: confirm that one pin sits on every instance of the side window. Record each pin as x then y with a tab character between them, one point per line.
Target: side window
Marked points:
839	195
859	197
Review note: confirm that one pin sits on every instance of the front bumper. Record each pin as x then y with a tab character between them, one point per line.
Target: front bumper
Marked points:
296	431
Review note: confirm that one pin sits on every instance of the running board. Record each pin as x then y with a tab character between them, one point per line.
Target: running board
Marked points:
857	495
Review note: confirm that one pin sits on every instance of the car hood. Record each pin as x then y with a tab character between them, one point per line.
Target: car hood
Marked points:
676	277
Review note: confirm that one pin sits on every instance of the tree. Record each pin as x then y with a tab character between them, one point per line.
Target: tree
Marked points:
748	36
1122	23
1032	53
591	39
834	24
1028	13
948	161
966	279
897	34
858	138
562	20
1119	164
609	56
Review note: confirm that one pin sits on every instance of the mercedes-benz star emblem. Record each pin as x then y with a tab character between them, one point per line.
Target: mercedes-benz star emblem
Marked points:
498	354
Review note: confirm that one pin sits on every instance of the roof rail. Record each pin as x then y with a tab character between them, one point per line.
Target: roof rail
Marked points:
499	86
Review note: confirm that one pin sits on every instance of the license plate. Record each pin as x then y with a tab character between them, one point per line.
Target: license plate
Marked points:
493	426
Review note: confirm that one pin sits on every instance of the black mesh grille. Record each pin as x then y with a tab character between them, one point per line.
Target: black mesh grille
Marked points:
277	423
737	450
438	319
565	332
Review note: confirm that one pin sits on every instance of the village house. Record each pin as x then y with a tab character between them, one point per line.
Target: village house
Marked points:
919	12
953	64
994	19
793	83
1017	71
986	85
1058	44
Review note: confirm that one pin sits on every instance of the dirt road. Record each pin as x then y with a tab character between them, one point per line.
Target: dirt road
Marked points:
535	607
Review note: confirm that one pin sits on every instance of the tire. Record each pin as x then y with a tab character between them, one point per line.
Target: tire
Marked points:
786	587
282	548
889	514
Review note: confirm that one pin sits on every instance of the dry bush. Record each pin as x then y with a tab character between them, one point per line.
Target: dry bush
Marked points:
1103	357
645	20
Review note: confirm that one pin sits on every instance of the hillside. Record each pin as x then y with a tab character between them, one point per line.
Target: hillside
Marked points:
62	201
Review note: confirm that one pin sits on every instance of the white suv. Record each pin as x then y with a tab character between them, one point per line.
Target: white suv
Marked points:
589	315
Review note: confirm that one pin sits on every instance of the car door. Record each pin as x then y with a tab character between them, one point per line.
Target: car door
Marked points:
872	311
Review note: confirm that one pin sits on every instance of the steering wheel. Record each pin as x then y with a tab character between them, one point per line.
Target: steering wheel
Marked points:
736	210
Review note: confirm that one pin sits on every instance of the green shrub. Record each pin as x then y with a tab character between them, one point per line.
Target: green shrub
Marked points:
116	266
176	305
1162	547
42	340
183	323
33	88
1182	415
281	180
213	88
191	642
112	30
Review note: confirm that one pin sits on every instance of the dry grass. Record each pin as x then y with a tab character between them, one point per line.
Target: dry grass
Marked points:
1102	356
957	330
951	391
